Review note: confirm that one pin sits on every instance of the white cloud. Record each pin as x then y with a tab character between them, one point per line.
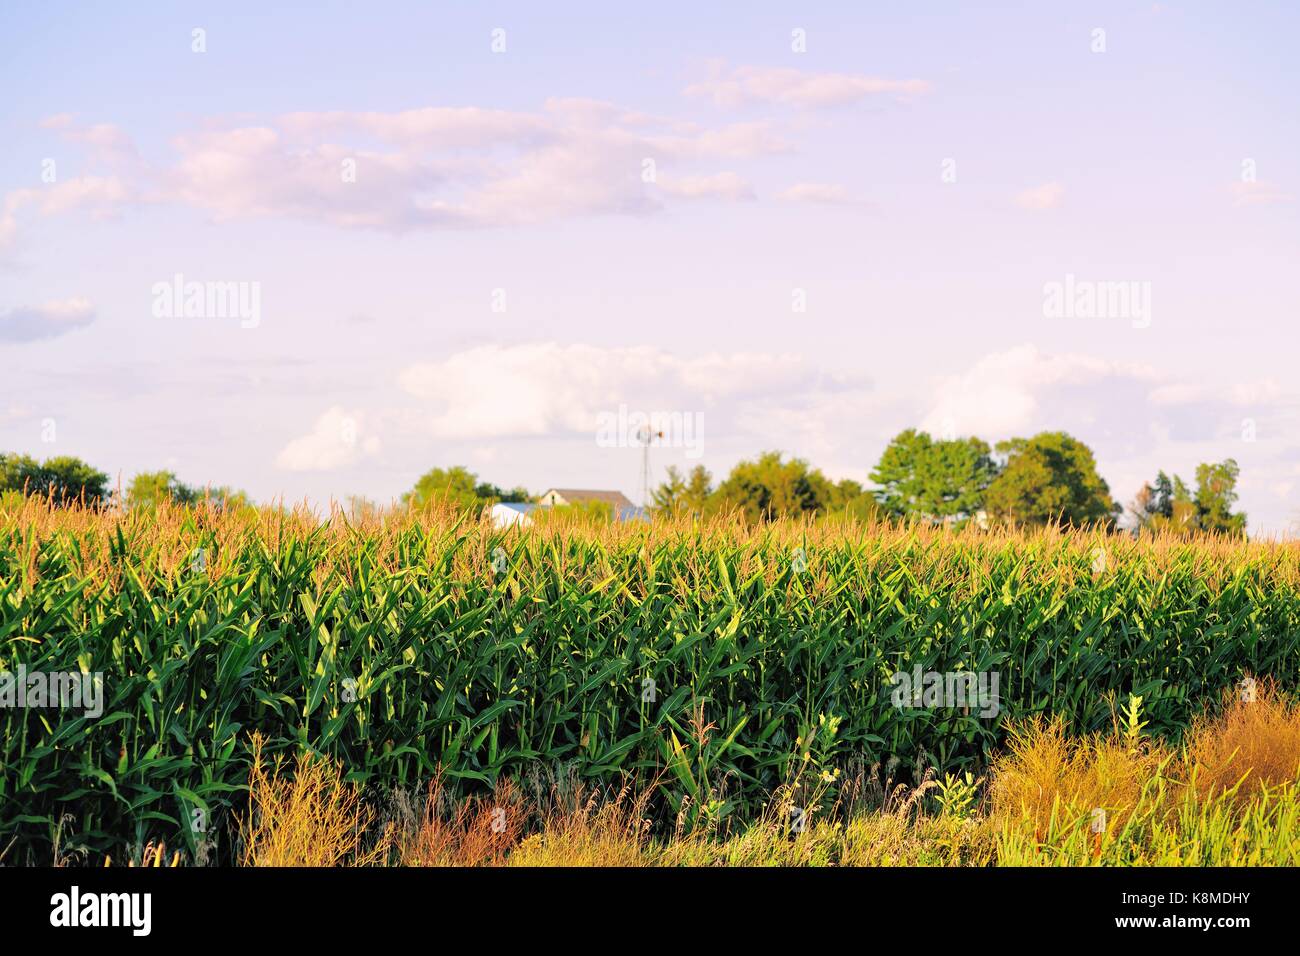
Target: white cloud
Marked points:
1265	393
787	86
336	441
1046	196
103	194
719	186
35	322
1009	392
550	389
436	167
832	193
736	141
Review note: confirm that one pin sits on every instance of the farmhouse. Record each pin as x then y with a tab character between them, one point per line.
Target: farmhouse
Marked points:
623	509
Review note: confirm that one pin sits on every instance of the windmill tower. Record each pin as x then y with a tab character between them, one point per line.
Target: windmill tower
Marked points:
646	436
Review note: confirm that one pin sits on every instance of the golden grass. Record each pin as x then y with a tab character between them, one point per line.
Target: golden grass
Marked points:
1164	806
1228	795
153	855
1254	744
575	825
1046	775
311	817
475	832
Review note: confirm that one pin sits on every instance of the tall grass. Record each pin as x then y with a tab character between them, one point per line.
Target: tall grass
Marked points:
1040	810
404	646
309	817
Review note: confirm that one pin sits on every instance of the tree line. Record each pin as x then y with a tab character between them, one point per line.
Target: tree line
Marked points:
65	480
1049	478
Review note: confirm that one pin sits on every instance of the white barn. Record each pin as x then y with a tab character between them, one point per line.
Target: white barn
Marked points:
505	514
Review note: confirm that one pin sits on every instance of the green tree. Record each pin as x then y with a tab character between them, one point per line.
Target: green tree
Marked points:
771	488
225	497
456	485
1169	506
62	479
848	497
670	496
461	488
1165	505
691	494
1050	477
1216	493
150	488
699	489
935	480
491	493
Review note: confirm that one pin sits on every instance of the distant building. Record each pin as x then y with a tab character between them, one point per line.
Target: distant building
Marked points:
618	502
506	514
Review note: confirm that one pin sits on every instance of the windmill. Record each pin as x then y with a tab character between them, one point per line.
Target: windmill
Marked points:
646	436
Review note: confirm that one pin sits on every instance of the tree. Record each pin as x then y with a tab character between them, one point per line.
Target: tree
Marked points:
225	497
851	499
1216	493
490	493
459	487
699	489
455	485
1050	477
1165	506
669	497
690	494
1169	506
63	479
935	480
771	488
150	488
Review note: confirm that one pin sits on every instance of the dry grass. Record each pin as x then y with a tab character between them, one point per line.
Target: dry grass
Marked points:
476	832
590	831
1164	806
1255	744
153	855
566	825
1047	775
1050	779
311	817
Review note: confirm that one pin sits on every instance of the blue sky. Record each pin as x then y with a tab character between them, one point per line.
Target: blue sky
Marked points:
499	273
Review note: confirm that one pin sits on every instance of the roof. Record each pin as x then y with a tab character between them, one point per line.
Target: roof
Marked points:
522	507
617	499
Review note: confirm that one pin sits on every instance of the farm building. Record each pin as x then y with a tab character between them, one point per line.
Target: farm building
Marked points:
623	509
504	514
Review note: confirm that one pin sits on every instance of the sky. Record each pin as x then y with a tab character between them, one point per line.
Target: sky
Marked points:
313	252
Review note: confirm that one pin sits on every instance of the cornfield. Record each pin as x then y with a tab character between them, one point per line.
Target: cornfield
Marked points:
722	661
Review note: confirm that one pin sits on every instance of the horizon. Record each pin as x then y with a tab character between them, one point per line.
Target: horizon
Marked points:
446	245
